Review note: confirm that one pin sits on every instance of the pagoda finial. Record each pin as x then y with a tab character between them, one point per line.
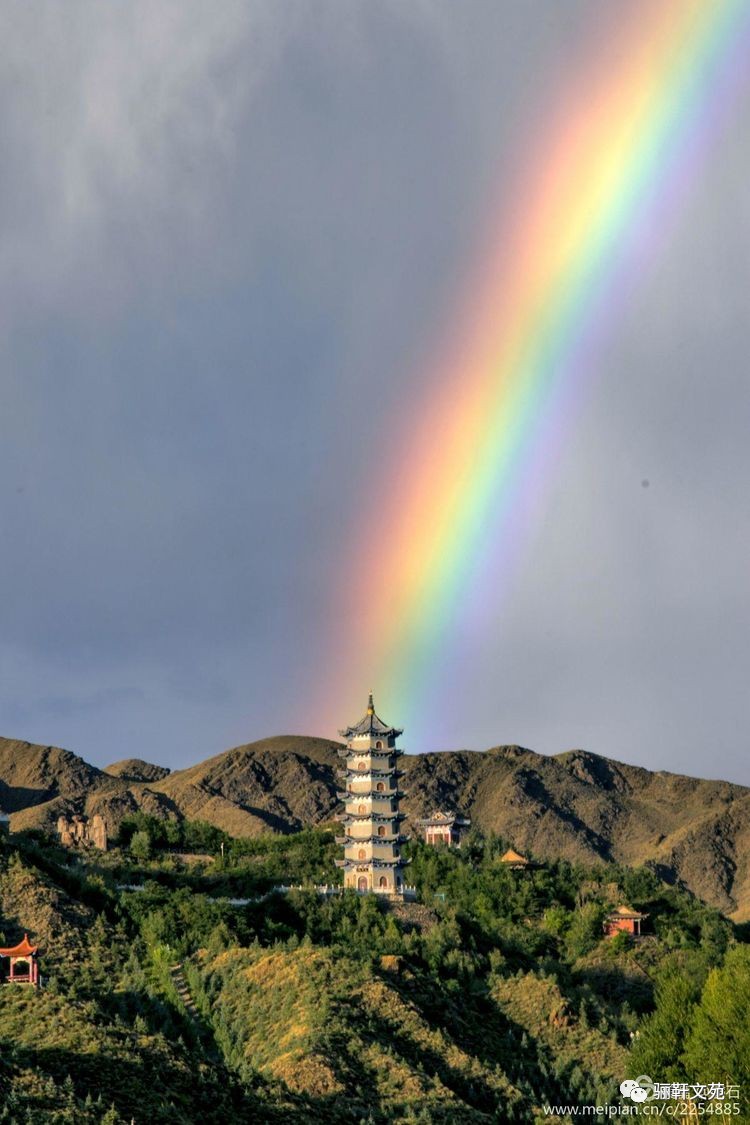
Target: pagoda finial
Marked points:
370	706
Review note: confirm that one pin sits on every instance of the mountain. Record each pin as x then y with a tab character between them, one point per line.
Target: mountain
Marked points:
585	807
278	784
33	775
575	805
135	769
40	783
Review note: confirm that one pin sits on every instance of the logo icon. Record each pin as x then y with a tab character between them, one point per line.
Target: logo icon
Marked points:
638	1089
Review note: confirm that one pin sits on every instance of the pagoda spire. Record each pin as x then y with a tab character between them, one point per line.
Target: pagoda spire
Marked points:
370	724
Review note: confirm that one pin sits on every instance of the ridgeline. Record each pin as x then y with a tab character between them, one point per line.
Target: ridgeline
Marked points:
576	805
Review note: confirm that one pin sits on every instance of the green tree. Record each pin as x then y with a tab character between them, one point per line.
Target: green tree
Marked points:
659	1044
140	845
556	920
173	832
585	929
718	1044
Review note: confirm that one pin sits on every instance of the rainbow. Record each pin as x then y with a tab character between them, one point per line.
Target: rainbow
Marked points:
444	527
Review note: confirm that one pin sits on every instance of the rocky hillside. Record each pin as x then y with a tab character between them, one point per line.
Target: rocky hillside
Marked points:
581	806
279	784
40	783
575	805
135	769
34	775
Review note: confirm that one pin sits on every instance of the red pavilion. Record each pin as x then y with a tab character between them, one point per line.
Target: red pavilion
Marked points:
24	966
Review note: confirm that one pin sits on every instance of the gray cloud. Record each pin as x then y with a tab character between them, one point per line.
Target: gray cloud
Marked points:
229	236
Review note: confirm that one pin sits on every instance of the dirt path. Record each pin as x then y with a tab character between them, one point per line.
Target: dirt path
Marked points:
178	979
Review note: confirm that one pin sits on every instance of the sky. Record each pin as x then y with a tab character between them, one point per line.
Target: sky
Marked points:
232	236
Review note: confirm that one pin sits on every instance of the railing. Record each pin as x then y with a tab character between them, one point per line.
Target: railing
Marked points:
345	841
409	894
371	778
323	889
347	795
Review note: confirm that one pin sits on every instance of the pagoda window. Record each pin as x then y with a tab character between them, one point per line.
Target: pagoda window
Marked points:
361	765
361	854
362	883
380	787
381	830
361	808
379	745
382	882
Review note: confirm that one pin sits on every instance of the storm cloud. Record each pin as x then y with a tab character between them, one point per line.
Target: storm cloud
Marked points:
229	234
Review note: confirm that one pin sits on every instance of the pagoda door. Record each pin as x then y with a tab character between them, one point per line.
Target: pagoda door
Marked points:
362	883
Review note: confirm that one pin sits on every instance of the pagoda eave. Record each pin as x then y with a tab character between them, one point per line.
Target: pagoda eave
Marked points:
379	752
23	949
379	818
361	775
370	730
370	795
352	841
379	863
432	822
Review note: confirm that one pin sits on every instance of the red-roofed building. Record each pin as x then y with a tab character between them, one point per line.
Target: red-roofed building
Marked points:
24	966
624	920
444	828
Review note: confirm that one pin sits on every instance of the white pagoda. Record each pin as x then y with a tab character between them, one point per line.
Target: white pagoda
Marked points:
372	821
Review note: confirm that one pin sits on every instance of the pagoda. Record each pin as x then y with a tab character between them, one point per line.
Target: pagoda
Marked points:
372	820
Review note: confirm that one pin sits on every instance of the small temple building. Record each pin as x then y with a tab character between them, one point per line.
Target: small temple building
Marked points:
372	819
444	828
624	920
515	861
24	964
79	831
